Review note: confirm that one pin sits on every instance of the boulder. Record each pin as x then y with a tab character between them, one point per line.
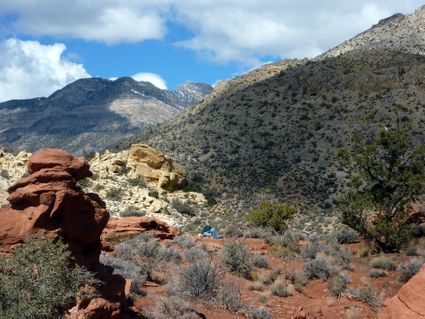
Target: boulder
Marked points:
156	167
127	226
409	302
78	167
48	202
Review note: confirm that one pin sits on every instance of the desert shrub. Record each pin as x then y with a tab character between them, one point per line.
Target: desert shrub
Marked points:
298	279
137	182
271	214
418	230
377	273
259	260
172	308
200	280
255	232
115	193
185	241
183	208
126	268
410	269
313	238
257	286
38	282
194	254
347	237
169	254
233	231
264	297
311	250
279	288
317	268
364	251
383	262
367	295
286	245
259	313
132	212
342	257
338	285
144	246
412	252
230	297
153	193
236	257
266	277
211	201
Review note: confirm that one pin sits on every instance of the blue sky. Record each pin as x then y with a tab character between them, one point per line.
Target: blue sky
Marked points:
46	44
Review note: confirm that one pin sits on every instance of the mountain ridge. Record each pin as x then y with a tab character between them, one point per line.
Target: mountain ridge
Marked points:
90	114
399	32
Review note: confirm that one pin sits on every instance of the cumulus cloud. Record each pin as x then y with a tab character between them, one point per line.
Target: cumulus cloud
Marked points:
153	78
110	21
247	31
29	69
225	31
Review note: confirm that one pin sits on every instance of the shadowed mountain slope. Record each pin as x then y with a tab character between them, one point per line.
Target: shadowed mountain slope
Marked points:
278	127
92	114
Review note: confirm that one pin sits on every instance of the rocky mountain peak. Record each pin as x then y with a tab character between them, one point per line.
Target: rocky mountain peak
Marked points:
395	18
92	114
404	33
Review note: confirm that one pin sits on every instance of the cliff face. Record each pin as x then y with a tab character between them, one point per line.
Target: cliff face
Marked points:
92	114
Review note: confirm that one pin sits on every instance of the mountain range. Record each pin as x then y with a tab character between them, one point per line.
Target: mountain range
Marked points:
277	128
91	114
274	129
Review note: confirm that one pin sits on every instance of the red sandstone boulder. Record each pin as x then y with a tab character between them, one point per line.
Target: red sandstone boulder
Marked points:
122	227
78	167
48	202
409	303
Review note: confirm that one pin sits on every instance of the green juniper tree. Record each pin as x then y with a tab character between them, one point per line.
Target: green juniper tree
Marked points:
38	282
272	214
387	172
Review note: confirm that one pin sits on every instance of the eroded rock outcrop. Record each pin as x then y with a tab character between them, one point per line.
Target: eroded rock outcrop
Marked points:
48	202
156	167
409	302
123	227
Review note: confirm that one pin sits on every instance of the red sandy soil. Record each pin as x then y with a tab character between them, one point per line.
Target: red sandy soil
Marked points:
314	300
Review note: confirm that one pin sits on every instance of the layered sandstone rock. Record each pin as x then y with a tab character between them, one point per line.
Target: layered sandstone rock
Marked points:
123	227
156	168
409	303
49	202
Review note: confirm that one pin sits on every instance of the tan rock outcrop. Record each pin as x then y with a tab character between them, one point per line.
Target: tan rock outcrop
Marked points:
156	167
409	302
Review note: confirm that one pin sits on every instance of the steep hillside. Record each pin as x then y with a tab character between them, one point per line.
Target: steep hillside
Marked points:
405	33
91	114
279	132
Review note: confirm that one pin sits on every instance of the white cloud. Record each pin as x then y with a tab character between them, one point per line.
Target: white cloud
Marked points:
29	69
225	31
248	31
108	21
153	78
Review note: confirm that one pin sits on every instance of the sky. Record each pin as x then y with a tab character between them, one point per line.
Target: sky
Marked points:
46	44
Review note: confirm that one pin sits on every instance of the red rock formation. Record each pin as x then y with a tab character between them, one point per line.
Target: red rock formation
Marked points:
49	202
409	303
122	227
